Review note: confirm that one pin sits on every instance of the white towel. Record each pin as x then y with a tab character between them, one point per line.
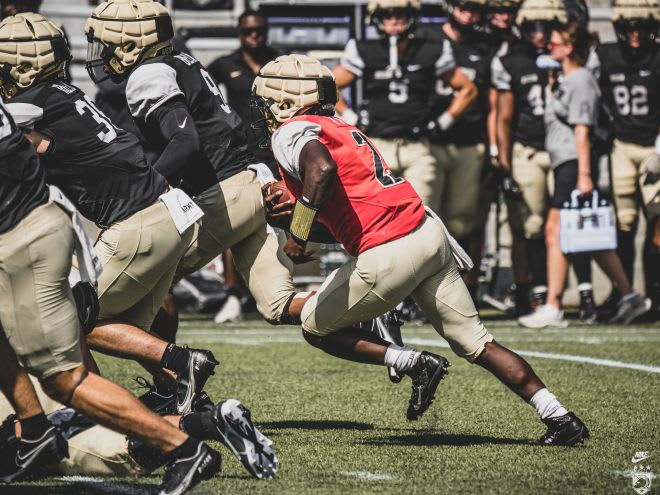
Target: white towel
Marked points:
183	210
460	256
265	176
89	265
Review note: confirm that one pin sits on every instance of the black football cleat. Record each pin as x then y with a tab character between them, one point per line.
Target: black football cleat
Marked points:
182	474
567	430
202	402
41	453
426	376
588	313
154	400
388	327
230	422
192	379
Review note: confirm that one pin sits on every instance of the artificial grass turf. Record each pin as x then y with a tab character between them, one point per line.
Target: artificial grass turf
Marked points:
340	427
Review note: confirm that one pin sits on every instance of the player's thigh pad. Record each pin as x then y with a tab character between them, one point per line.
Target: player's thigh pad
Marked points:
37	311
532	171
463	208
376	281
232	211
136	252
267	271
625	176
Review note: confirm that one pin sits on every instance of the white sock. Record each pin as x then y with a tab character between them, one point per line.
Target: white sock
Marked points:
585	286
547	405
401	358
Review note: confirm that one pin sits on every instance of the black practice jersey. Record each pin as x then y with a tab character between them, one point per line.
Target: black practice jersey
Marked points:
224	145
22	179
473	57
397	86
516	71
631	90
98	166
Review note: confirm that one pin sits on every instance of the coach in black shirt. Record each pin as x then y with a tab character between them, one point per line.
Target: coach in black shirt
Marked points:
238	69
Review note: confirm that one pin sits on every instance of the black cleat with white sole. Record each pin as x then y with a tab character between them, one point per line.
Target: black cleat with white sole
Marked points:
231	423
567	430
41	453
426	375
192	378
184	473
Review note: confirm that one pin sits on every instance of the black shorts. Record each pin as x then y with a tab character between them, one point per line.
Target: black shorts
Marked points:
566	176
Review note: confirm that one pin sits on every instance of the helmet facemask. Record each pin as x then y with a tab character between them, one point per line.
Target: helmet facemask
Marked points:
116	45
646	32
466	29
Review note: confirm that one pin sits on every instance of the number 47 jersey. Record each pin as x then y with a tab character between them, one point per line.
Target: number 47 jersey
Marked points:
367	206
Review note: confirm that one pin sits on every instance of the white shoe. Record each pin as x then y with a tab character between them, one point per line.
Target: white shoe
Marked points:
230	312
544	316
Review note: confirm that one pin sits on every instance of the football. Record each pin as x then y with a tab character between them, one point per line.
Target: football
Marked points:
279	186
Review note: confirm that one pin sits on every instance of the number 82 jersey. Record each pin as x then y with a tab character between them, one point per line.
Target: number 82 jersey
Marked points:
631	88
367	206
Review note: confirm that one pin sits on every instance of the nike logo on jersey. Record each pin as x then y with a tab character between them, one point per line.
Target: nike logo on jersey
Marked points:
414	67
474	58
617	77
644	73
181	126
529	78
235	74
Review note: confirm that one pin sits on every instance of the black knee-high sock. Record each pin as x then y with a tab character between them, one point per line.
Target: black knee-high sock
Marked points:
536	257
582	265
626	252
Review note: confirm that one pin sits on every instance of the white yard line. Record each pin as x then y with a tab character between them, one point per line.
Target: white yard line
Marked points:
367	475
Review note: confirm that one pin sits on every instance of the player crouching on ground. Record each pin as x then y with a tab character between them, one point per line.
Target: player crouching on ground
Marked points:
339	179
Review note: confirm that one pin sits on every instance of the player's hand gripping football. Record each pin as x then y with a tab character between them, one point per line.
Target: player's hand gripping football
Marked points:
278	206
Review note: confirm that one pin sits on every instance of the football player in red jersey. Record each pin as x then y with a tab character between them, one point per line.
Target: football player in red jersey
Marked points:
340	180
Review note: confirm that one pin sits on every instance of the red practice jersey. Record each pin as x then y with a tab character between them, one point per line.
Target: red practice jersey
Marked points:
367	206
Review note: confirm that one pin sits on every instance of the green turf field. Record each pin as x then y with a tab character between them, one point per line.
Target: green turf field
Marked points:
340	428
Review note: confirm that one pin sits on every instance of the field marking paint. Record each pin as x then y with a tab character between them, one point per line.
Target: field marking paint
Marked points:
268	337
367	475
628	473
610	363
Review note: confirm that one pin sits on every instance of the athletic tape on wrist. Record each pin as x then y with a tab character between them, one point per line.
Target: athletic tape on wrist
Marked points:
302	220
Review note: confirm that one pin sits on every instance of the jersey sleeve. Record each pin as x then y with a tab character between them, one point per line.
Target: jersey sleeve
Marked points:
149	86
351	59
500	77
445	61
288	142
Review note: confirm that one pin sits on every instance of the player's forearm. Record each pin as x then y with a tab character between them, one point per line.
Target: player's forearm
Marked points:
466	93
583	149
503	128
319	171
178	129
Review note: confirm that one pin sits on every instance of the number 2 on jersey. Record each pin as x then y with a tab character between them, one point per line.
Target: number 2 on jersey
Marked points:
85	104
383	174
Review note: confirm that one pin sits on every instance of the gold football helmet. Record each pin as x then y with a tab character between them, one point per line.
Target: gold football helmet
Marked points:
123	33
291	84
32	49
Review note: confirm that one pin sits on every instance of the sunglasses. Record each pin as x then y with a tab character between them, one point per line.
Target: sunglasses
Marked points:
259	31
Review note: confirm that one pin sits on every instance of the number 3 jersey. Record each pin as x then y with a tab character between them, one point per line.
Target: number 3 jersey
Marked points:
631	88
516	71
367	206
224	147
98	166
398	86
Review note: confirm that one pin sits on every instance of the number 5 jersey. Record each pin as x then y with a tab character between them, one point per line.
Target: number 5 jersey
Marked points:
367	206
98	166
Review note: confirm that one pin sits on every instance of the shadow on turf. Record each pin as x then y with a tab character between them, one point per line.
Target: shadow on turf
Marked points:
316	425
431	439
82	488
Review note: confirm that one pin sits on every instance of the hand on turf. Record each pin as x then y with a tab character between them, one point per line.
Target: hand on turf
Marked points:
277	214
296	250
